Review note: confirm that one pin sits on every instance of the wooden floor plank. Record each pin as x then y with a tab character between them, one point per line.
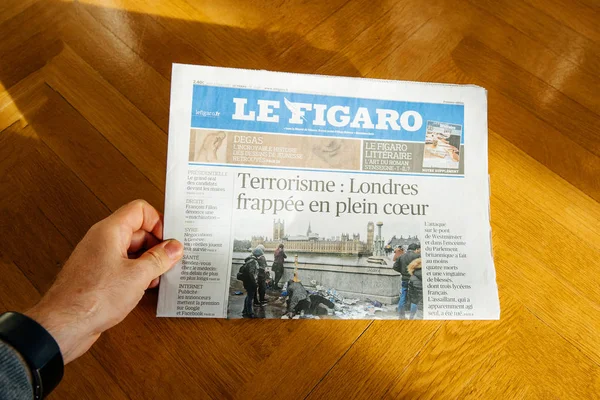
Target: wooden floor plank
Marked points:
25	295
577	15
380	364
143	86
29	225
13	108
22	19
546	30
561	155
127	128
489	347
409	60
332	34
27	57
377	41
228	44
482	346
52	204
95	161
133	351
569	208
150	40
543	284
11	8
303	365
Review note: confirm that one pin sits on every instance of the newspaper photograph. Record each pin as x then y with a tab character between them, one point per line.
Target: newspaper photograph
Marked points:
317	197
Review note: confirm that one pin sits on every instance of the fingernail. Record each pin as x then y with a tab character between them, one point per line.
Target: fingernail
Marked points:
174	249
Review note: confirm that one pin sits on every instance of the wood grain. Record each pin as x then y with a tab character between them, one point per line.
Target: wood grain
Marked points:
84	98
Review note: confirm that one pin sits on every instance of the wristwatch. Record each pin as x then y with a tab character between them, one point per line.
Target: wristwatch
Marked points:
37	347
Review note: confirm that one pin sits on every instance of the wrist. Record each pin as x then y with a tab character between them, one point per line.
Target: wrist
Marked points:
67	327
48	320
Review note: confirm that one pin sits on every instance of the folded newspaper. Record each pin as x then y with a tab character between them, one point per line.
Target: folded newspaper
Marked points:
320	197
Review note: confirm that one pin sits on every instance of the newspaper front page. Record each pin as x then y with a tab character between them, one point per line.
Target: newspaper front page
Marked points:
303	196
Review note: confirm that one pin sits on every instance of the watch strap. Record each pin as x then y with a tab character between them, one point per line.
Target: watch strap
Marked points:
37	347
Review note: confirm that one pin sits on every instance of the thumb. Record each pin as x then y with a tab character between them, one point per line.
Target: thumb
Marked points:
160	258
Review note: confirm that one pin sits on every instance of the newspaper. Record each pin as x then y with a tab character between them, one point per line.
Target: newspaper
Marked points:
304	196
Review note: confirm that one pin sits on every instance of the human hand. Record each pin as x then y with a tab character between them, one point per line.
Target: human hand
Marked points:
105	277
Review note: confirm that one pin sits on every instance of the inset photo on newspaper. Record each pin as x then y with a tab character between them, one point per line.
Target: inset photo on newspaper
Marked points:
208	146
325	268
267	149
442	145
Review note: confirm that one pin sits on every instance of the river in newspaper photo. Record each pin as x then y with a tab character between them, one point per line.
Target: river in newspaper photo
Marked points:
315	197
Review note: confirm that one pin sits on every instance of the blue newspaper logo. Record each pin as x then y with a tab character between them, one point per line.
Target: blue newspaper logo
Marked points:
319	115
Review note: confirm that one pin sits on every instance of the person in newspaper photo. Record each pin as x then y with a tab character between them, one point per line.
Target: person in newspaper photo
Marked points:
249	276
261	280
415	289
300	301
398	251
278	260
401	266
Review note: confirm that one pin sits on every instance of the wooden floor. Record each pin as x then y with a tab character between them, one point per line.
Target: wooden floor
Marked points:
84	105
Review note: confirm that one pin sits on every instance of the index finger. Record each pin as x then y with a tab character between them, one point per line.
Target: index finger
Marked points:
137	215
